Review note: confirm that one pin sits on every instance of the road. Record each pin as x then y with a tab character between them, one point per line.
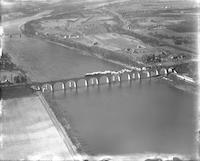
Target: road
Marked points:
31	131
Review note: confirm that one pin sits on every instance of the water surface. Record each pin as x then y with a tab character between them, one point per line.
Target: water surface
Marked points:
144	117
147	116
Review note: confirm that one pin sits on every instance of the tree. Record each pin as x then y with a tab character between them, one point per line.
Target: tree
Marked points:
17	79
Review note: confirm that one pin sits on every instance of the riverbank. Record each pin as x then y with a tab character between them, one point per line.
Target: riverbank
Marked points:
66	124
175	81
30	130
39	110
100	57
68	121
102	54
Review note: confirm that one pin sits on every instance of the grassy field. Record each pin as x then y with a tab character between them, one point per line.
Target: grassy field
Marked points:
135	29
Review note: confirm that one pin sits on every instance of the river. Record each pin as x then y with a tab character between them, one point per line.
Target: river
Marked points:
144	117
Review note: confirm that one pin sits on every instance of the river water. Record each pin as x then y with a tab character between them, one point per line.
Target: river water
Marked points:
147	116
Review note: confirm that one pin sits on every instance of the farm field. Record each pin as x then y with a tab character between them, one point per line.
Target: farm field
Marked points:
149	32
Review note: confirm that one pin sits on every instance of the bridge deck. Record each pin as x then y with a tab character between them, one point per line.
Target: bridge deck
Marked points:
109	76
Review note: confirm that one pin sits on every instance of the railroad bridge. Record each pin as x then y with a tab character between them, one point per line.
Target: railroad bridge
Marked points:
98	78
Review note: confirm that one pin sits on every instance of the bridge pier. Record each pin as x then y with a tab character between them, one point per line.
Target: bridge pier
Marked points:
72	84
174	71
157	73
64	86
76	85
109	80
129	77
163	71
136	74
144	74
120	79
171	70
130	82
98	81
52	87
40	87
95	81
92	81
139	75
86	83
108	77
150	74
115	78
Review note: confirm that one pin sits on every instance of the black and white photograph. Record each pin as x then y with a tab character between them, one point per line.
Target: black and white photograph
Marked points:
99	80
